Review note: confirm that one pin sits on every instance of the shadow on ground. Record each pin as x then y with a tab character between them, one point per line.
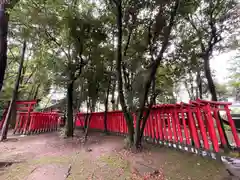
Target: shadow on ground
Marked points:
49	157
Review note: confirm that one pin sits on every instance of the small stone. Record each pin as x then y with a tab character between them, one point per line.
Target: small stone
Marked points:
89	150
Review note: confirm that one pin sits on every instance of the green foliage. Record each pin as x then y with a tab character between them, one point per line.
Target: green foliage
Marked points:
34	80
76	41
222	91
234	77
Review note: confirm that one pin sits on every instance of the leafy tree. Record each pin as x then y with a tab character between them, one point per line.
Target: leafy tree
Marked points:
214	20
157	31
73	38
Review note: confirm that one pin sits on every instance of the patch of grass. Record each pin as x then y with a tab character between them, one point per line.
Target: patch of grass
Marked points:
105	167
22	170
17	171
115	161
181	166
52	160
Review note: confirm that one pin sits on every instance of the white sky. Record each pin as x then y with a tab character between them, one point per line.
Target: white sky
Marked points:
220	65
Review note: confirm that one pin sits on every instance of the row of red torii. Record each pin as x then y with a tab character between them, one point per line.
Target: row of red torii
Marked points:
28	121
193	126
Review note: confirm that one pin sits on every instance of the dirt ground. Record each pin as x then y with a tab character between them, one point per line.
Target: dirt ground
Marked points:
49	157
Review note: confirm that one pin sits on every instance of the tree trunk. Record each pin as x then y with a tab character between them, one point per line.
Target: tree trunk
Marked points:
208	74
117	103
199	84
4	18
113	96
237	96
212	89
36	91
141	119
69	125
106	107
87	126
14	96
127	114
13	116
86	118
31	92
14	107
137	139
92	109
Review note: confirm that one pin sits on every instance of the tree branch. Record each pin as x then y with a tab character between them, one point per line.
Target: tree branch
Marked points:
197	31
150	40
29	77
57	43
214	38
157	62
125	73
11	4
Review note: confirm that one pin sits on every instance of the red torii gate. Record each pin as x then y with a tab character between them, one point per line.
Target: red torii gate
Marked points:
25	107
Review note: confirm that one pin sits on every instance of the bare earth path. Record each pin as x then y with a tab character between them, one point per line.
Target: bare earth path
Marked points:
49	157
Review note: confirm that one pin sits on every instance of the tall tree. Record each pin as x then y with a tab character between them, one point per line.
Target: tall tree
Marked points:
216	19
14	96
68	36
3	41
164	21
5	5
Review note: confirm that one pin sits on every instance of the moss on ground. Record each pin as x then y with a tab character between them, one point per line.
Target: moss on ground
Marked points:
20	171
109	163
106	167
82	167
175	165
115	161
186	166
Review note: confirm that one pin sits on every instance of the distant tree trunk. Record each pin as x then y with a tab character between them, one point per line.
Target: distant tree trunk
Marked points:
113	101
4	18
117	103
92	109
14	108
69	125
237	95
86	118
36	91
79	103
199	84
31	92
106	106
212	89
14	96
189	85
190	94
